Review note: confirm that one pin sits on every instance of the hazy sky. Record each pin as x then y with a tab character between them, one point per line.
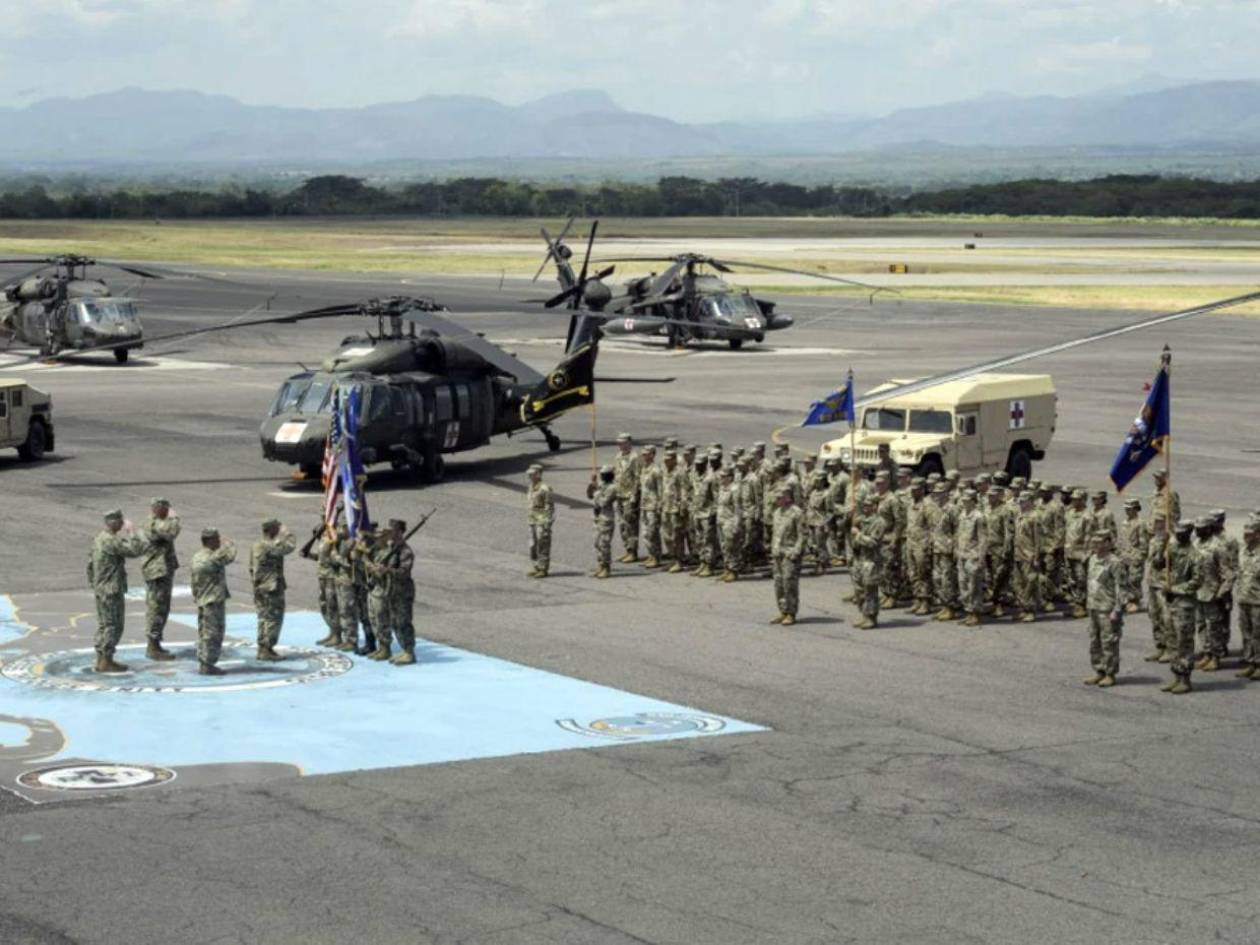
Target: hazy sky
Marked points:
687	59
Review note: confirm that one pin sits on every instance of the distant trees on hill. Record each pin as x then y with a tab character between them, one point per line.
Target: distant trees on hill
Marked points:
1121	195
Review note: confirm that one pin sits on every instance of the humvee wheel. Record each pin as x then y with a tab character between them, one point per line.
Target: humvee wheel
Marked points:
36	443
929	465
1019	465
121	355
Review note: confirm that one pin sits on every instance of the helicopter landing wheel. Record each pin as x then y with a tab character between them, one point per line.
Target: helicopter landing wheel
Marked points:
434	469
121	355
735	343
553	441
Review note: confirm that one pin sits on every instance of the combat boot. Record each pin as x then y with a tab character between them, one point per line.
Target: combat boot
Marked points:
333	638
866	623
1094	680
1211	664
705	571
406	658
1165	657
382	652
728	577
1182	685
651	561
539	573
266	654
1107	681
1029	617
205	669
1247	672
603	572
887	602
998	611
1201	661
1131	608
346	646
838	561
1154	655
1079	612
778	619
973	620
675	568
1168	686
155	653
788	620
945	613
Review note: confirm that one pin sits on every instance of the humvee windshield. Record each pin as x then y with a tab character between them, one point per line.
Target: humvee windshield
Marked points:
884	418
931	421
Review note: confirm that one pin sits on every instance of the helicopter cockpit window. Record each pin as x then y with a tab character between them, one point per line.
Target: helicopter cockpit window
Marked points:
289	395
315	399
732	307
884	418
379	408
398	399
105	311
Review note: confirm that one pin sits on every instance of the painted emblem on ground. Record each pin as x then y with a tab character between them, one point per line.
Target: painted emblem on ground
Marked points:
643	724
72	669
95	777
24	739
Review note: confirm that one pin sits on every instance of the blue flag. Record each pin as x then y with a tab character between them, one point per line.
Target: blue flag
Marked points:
1148	437
836	406
353	474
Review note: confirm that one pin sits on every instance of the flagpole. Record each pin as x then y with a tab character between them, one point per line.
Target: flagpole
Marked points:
594	460
852	463
1165	363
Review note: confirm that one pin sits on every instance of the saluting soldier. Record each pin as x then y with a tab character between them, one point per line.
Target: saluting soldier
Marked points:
1134	537
542	516
397	566
602	491
970	549
1026	550
1076	552
868	540
159	567
1157	554
650	505
1105	602
626	480
210	591
786	550
1182	595
266	571
107	573
1247	597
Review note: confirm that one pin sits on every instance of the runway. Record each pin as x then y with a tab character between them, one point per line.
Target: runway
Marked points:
918	783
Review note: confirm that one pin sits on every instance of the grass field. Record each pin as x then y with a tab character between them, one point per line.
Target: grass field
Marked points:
513	247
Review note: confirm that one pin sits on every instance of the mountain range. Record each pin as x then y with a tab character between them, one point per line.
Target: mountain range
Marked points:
182	127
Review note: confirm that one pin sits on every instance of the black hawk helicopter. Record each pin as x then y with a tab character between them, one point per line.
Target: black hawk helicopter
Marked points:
688	301
55	307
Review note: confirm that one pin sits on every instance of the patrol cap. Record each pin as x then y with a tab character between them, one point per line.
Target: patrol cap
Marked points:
1218	514
1079	494
208	533
270	524
534	467
784	493
114	514
997	491
743	460
605	470
983	479
159	500
1251	526
715	446
904	472
933	478
1034	484
1099	494
1025	497
882	476
1132	503
869	500
759	446
689	448
820	474
648	448
671	443
953	475
1204	521
781	448
1019	482
1001	478
715	454
623	438
669	454
1161	474
970	495
940	489
701	460
918	481
726	472
1183	528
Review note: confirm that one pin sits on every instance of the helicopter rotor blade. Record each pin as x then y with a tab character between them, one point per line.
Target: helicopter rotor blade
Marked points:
586	261
553	247
148	271
23	276
802	272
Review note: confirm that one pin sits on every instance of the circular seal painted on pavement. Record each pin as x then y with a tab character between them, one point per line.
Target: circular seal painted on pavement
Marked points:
24	739
89	777
72	670
646	725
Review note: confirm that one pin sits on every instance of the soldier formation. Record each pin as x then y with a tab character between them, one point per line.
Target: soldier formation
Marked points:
365	582
971	550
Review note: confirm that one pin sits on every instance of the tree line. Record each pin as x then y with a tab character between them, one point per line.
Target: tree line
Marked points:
1123	195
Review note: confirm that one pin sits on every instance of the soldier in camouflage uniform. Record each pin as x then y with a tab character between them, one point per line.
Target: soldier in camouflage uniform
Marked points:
892	509
785	556
729	523
1105	602
627	467
672	491
1228	549
1076	552
602	492
1165	502
1026	557
650	505
542	518
266	571
818	520
1135	536
1209	613
397	566
1052	535
919	548
379	602
999	540
750	514
1157	554
1101	521
944	565
107	573
210	591
326	573
868	540
360	551
1247	597
685	550
755	534
159	568
838	499
1181	597
341	558
884	461
970	551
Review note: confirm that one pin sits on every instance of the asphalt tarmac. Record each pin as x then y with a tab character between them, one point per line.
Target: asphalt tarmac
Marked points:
917	783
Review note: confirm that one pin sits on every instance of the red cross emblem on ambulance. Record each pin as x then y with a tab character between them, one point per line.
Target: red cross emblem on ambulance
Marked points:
1017	415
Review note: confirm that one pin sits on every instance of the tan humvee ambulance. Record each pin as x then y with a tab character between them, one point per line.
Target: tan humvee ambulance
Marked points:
980	424
25	419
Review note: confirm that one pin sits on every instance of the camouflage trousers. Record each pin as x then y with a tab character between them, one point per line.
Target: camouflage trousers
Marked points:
269	606
821	535
840	537
945	580
382	618
652	532
211	624
347	612
866	576
1133	571
706	539
1181	616
1213	627
1104	641
157	606
919	571
539	546
1161	621
628	514
110	613
603	542
1075	587
971	584
1026	587
754	541
730	538
1054	576
997	578
361	604
787	583
674	535
402	607
890	582
328	603
1249	628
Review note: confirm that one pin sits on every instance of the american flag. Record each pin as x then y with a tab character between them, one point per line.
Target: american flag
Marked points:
329	470
353	474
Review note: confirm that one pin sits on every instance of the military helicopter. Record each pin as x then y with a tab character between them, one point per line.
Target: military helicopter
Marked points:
685	302
63	309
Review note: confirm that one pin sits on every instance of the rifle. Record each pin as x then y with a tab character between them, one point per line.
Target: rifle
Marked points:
320	529
392	559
